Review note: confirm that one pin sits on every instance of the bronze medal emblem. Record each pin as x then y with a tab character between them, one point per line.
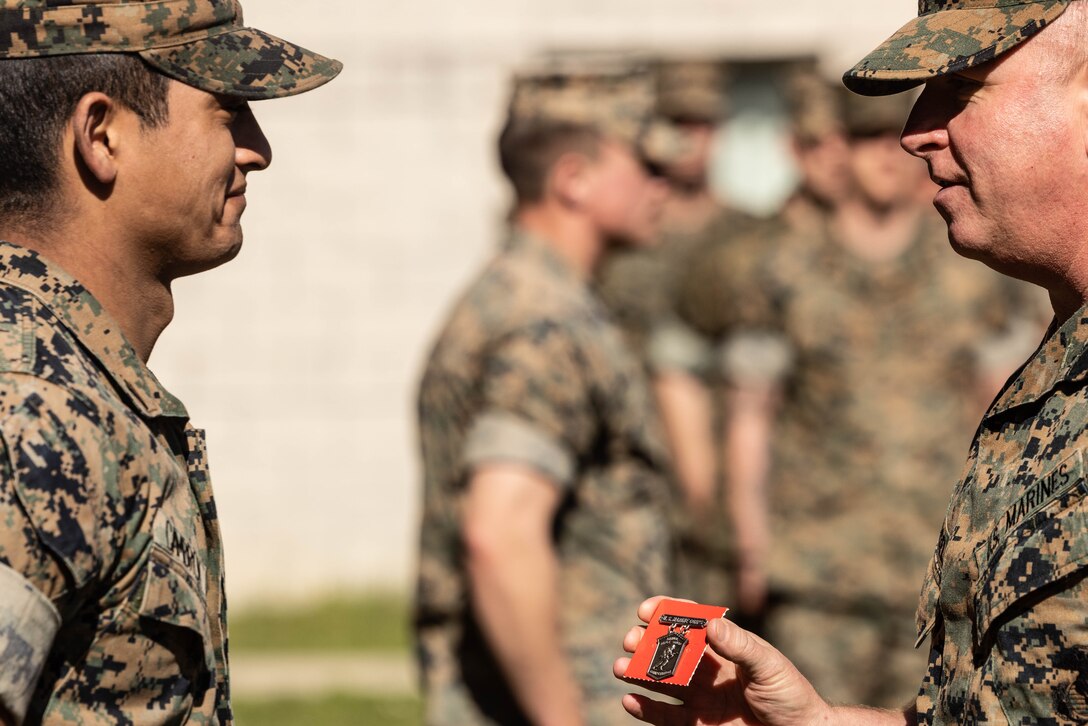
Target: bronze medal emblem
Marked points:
671	645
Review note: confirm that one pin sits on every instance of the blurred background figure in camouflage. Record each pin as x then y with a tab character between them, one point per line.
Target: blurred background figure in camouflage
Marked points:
819	149
125	144
862	355
545	486
641	287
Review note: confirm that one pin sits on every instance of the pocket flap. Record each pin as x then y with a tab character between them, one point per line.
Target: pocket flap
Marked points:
169	597
1047	544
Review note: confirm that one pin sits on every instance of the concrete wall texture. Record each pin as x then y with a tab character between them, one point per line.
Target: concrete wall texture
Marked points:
300	357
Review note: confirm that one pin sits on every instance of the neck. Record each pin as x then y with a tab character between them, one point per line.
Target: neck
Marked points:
875	233
141	304
573	238
689	209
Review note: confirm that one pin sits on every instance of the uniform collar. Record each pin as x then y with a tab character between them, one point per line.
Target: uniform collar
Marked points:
99	333
523	243
1062	356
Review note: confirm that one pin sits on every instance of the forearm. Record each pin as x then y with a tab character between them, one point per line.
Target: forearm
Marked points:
514	585
747	450
687	413
865	716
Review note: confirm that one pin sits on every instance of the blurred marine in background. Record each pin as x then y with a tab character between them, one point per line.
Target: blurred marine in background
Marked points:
545	485
125	141
641	286
885	347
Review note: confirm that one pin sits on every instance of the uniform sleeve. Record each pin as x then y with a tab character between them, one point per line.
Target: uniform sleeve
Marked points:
29	577
734	296
28	625
56	530
673	345
538	408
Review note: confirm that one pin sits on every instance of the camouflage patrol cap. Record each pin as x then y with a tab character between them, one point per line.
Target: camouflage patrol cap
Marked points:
202	43
614	95
949	36
815	105
691	90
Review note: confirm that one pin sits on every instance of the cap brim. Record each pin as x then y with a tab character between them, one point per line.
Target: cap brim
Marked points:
948	41
245	63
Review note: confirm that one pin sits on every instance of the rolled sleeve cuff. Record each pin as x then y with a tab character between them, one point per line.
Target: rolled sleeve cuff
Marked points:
28	624
506	438
674	346
755	358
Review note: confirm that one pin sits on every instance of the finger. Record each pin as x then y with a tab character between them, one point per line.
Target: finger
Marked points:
651	711
736	644
633	638
647	608
619	667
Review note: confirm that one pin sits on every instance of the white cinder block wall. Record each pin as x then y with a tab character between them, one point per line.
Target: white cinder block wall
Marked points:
300	357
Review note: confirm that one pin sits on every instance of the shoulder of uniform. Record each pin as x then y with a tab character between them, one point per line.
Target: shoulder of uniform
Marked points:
63	451
34	342
514	294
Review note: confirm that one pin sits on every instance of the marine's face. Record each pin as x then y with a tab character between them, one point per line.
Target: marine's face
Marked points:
882	174
1006	144
691	168
822	164
624	200
191	173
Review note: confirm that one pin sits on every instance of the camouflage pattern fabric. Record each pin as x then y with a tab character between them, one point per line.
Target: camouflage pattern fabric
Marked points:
949	36
203	43
879	399
529	369
815	105
640	287
111	593
1005	602
614	94
691	90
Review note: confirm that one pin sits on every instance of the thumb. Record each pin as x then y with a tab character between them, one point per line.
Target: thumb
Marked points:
751	654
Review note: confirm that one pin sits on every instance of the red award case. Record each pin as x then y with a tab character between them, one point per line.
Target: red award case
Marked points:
674	643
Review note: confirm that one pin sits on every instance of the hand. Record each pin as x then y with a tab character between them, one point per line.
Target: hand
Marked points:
741	680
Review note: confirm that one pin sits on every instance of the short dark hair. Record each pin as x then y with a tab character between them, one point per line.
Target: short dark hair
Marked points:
529	149
38	97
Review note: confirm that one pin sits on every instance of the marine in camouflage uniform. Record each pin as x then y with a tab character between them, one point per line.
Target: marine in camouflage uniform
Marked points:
529	374
865	424
112	607
1003	605
640	286
1004	602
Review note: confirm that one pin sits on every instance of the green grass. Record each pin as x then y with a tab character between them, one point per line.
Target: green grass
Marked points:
370	623
336	710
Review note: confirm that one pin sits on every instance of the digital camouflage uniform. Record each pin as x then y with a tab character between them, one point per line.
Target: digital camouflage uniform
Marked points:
529	369
112	608
1004	601
880	367
111	566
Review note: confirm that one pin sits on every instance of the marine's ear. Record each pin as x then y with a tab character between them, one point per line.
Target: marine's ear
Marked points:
95	136
569	179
